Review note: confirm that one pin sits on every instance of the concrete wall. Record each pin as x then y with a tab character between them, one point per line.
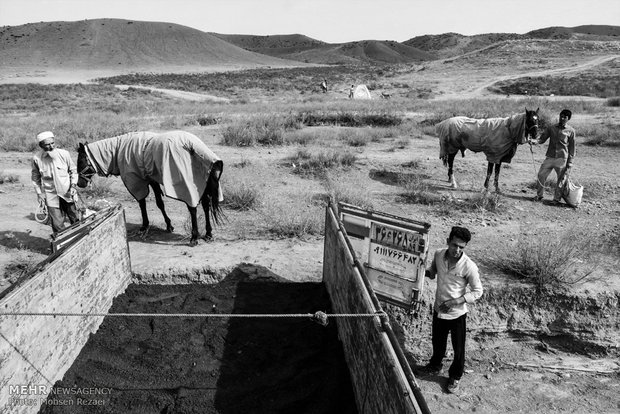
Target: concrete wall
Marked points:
379	380
84	277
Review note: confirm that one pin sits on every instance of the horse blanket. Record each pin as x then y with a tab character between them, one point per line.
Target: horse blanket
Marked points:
496	137
179	161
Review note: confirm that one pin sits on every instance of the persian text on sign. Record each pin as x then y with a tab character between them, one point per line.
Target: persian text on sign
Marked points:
397	238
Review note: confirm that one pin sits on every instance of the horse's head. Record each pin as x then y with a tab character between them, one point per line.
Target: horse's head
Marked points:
85	169
531	125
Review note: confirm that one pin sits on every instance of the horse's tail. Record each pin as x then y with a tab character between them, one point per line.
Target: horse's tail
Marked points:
213	191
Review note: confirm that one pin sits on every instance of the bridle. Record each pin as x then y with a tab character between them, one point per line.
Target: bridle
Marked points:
87	172
534	126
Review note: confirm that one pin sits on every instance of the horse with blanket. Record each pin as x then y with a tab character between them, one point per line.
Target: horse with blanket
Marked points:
496	137
176	163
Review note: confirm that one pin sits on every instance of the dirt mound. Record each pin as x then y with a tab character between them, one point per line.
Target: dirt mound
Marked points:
216	365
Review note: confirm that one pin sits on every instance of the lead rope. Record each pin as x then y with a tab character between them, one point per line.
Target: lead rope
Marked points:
535	172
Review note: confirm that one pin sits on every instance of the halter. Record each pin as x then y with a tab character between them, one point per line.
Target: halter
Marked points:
87	172
528	130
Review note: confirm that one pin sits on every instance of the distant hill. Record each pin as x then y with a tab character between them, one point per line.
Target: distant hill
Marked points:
116	43
305	49
448	45
125	45
275	45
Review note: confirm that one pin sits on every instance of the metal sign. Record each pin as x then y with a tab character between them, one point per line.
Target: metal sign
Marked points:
393	250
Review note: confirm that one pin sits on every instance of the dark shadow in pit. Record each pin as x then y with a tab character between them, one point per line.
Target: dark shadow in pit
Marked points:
216	364
23	240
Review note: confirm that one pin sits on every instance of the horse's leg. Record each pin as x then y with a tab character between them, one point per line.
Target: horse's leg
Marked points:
489	171
160	204
451	179
145	217
192	213
205	206
498	167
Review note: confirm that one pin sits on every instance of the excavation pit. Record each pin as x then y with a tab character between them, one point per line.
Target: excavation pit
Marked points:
215	363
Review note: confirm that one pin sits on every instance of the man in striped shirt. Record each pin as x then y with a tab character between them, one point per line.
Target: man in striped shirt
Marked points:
455	272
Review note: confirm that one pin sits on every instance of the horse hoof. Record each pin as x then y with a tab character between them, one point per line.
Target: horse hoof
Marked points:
453	185
169	229
207	237
193	243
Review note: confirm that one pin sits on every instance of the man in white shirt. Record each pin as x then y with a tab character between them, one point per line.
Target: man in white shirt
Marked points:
55	177
455	271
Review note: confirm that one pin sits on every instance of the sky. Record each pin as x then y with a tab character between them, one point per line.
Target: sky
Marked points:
331	21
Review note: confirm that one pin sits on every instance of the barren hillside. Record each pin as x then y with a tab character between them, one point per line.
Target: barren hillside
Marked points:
116	43
448	45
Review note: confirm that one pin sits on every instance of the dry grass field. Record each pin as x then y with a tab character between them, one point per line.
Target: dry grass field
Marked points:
537	343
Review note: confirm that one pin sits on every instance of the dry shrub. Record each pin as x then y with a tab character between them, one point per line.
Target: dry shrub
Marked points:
8	178
350	190
485	202
261	130
297	217
417	190
241	196
354	138
613	101
549	261
306	163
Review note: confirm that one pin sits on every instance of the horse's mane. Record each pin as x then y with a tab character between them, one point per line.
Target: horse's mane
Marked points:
516	126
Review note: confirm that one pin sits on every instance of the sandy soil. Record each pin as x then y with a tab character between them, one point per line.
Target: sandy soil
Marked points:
216	365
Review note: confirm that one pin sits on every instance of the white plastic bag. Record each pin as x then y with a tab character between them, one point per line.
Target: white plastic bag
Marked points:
571	193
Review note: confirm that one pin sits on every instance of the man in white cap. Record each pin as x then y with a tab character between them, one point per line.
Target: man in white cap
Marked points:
55	177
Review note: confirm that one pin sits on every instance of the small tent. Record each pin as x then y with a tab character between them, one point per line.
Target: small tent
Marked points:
361	92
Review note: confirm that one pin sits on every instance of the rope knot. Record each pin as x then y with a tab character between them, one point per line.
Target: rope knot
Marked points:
320	318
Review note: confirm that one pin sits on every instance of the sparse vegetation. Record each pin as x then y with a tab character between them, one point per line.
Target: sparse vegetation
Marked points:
300	219
350	119
607	135
6	178
346	189
601	82
549	261
241	196
306	163
258	130
613	101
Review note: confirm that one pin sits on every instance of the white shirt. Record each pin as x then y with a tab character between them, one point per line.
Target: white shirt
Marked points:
53	176
452	283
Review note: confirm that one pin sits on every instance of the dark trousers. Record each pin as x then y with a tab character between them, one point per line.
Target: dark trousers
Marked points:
57	214
456	328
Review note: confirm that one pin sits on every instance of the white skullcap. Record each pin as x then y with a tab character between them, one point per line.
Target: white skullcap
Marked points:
45	135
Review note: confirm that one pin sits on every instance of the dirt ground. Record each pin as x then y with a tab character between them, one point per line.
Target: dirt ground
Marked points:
216	365
506	371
